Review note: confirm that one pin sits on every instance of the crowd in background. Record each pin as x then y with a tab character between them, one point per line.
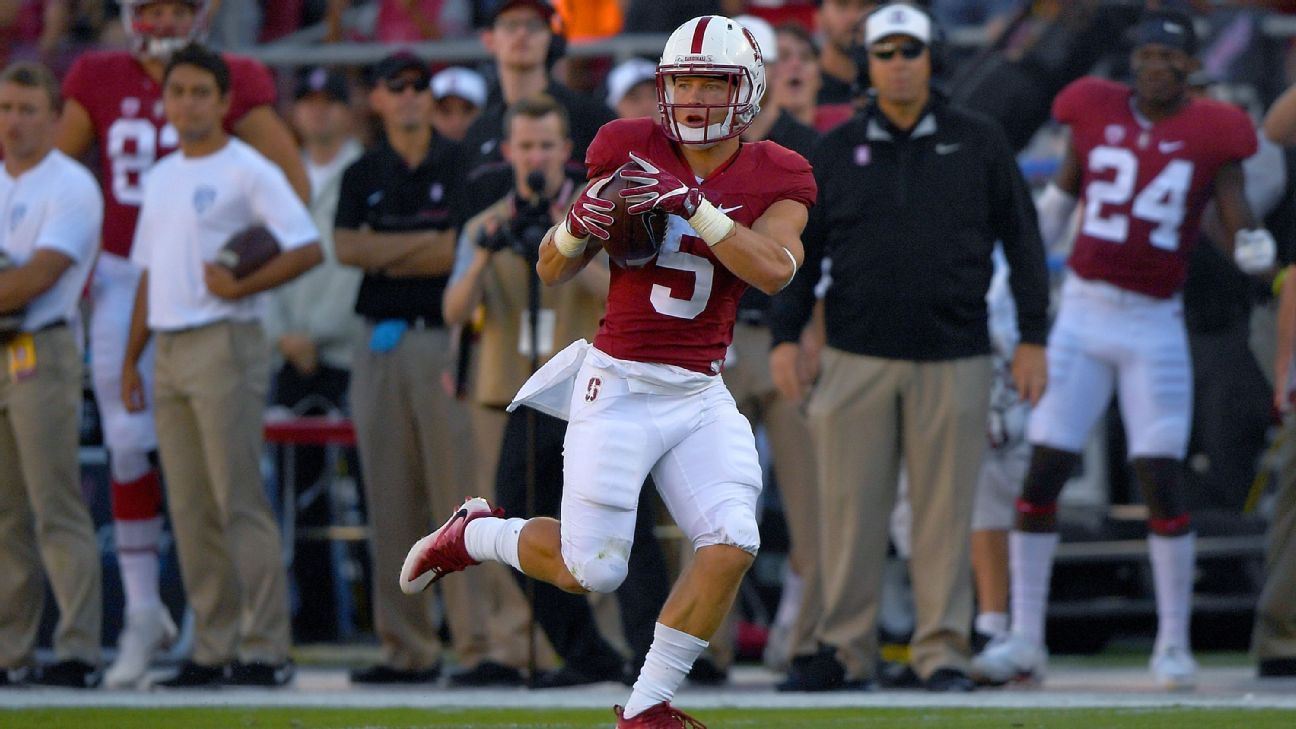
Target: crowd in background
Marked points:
325	327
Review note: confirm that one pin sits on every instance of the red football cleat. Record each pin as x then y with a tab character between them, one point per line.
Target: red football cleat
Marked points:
660	716
443	551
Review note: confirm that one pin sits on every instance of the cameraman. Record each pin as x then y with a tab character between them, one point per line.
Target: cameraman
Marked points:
495	268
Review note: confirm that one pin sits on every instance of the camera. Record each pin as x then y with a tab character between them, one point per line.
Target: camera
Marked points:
523	233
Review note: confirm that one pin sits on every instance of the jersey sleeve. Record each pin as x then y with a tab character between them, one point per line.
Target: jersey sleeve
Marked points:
799	182
251	86
77	84
611	146
1072	100
351	213
1237	140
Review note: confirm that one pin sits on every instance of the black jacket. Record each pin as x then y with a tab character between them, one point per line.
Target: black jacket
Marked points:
909	221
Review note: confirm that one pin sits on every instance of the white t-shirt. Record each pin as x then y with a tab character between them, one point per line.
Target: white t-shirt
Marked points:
191	207
57	205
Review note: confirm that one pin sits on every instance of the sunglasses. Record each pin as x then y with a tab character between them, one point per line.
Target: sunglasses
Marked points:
401	85
887	51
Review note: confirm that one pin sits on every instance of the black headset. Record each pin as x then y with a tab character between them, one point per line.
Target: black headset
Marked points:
935	47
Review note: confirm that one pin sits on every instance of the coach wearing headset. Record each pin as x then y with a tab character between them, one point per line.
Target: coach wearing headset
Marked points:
915	194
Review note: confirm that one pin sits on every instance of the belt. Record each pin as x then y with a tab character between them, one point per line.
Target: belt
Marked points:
414	322
60	322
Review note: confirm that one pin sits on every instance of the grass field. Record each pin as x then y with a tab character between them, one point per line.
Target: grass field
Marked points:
246	718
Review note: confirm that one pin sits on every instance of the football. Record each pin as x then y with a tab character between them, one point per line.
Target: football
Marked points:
633	239
248	250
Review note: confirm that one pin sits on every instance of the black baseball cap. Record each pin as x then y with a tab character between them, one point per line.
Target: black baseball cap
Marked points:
545	9
321	80
1168	28
396	64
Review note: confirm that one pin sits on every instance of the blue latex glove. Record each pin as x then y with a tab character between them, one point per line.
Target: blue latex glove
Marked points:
387	334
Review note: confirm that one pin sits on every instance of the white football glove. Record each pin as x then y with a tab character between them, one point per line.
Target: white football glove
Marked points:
1254	251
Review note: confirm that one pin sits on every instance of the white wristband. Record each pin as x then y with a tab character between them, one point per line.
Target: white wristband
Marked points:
1055	208
711	225
566	243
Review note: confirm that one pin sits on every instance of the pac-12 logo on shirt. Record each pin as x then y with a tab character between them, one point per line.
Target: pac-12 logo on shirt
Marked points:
203	198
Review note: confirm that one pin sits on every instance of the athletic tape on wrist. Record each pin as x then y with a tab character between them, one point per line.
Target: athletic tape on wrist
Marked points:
711	225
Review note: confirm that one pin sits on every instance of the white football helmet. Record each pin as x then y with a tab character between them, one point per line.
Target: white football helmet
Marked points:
144	39
711	45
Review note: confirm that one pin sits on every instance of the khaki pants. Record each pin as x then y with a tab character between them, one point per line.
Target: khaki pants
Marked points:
43	517
1275	625
510	616
866	415
209	399
417	456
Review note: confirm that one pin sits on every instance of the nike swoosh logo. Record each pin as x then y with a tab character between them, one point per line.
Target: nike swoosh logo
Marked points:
1168	147
947	148
724	209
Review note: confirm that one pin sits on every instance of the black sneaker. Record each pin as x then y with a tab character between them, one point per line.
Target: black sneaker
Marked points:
949	680
67	674
257	674
196	675
705	672
567	676
14	677
383	674
486	673
1277	668
821	672
897	676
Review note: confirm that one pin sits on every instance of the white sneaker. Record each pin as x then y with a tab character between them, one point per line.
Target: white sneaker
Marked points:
1010	658
1174	668
147	633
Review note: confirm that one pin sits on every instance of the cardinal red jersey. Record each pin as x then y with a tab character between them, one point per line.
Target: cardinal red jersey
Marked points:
125	108
1143	185
680	308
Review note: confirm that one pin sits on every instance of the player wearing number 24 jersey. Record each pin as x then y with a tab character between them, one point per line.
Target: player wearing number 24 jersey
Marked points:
1143	161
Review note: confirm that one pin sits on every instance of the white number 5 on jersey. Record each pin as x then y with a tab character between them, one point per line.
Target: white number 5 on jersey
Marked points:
1161	201
671	256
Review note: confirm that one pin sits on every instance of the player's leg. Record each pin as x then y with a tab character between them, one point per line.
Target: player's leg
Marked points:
135	486
992	518
710	482
1080	386
1156	405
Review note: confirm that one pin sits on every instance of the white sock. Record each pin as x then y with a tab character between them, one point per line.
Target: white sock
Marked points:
1031	562
137	557
1173	563
668	662
790	601
494	539
991	624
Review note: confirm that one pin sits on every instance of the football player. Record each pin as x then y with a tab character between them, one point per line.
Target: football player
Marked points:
646	397
114	100
1143	162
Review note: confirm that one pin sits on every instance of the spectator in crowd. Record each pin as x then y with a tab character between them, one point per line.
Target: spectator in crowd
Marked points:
632	89
650	16
114	103
396	221
1273	639
212	370
839	23
313	330
50	211
797	87
411	21
1120	323
33	29
493	267
458	95
522	42
908	349
775	122
646	397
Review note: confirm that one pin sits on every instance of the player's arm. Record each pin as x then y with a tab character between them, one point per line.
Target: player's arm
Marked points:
570	245
1253	249
1280	120
76	130
20	285
268	134
278	270
768	254
1057	204
137	338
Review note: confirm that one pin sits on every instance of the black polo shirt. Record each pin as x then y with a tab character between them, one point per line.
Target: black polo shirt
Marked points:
833	90
380	192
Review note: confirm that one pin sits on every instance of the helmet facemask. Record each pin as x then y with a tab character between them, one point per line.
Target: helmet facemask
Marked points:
740	108
142	39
